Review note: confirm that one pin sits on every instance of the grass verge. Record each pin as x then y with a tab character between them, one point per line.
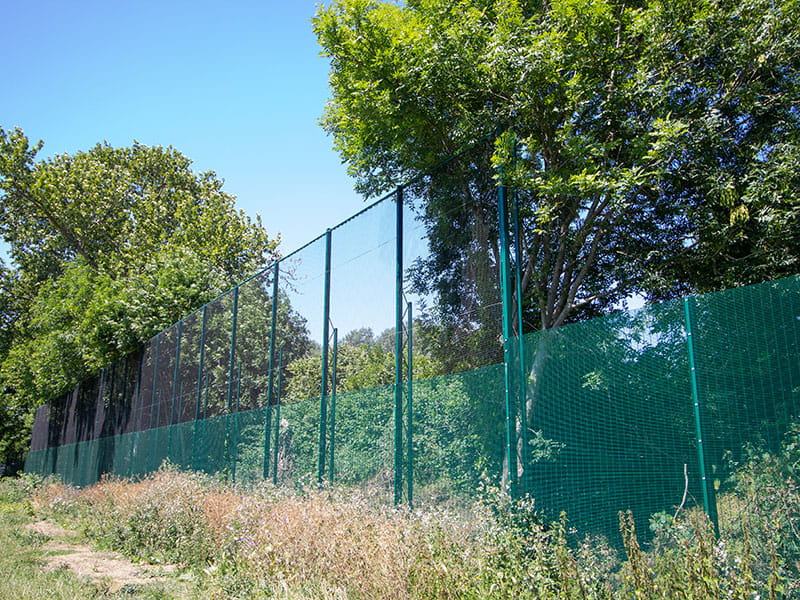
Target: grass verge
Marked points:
24	569
265	543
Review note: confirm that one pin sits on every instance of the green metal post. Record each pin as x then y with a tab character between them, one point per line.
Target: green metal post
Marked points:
272	330
152	435
101	391
231	375
235	445
154	404
202	386
159	398
205	399
200	364
204	426
505	288
232	355
277	419
323	400
136	403
398	351
123	393
137	390
180	402
333	403
176	373
154	391
522	384
409	410
113	406
709	500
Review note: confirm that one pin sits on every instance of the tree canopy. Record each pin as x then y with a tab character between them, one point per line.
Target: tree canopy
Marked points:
108	247
652	145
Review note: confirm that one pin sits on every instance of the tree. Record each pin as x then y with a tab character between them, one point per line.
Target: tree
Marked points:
362	363
362	335
651	148
727	74
113	206
108	247
652	142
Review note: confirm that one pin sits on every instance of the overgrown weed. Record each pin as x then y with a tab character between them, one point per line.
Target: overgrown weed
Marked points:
333	543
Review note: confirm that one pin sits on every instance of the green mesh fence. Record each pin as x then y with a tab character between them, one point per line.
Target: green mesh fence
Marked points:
375	356
609	418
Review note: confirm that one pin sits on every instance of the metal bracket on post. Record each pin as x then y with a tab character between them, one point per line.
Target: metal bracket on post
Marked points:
709	499
323	400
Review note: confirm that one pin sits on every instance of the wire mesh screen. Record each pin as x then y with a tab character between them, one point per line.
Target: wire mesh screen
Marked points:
300	331
364	439
451	261
458	437
608	418
747	344
297	447
608	414
376	357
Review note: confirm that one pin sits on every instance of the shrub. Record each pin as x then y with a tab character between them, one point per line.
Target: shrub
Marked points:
268	542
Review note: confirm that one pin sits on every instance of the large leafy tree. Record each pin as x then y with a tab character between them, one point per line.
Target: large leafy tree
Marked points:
653	143
107	247
652	148
728	75
112	207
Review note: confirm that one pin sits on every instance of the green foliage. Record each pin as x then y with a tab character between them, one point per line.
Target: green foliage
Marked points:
652	147
762	514
363	362
108	247
114	207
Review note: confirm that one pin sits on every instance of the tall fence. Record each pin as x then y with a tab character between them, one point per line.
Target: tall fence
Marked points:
386	354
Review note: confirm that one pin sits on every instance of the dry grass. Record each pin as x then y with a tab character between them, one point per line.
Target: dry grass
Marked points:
335	540
270	543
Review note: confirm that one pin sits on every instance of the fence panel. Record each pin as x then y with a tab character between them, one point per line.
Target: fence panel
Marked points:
300	334
747	344
589	418
362	310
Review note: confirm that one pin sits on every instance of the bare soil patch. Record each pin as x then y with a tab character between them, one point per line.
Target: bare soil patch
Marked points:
108	567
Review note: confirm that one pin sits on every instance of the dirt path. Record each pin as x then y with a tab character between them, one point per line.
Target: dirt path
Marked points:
107	567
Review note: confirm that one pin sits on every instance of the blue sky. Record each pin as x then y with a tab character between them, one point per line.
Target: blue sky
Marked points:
236	86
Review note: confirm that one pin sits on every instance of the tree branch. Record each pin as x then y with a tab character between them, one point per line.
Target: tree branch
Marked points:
62	229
